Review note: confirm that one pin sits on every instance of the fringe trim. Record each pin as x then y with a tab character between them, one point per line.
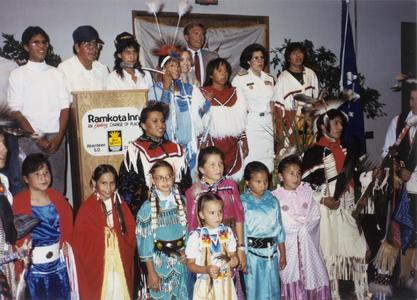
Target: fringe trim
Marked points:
370	207
168	217
165	218
144	228
223	121
347	268
386	257
133	152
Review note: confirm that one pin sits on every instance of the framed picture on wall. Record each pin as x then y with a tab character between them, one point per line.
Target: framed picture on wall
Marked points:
227	35
206	2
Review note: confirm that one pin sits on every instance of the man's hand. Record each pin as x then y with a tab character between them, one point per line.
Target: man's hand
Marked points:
213	271
242	259
54	143
167	80
245	147
331	203
43	144
154	281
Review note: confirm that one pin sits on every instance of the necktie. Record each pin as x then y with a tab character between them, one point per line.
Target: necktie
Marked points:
197	67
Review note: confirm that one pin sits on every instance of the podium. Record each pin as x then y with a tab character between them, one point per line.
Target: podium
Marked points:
102	123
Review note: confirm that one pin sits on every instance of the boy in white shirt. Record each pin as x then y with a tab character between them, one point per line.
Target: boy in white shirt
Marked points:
39	101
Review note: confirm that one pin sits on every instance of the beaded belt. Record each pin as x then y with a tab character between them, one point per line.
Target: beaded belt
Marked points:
45	254
261	242
170	247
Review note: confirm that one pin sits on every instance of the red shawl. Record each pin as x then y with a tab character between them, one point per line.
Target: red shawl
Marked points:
336	148
21	205
88	245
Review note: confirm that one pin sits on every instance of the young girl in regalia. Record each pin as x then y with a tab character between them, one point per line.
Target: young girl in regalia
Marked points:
225	124
211	169
104	240
161	233
211	252
264	235
344	247
134	179
186	104
47	276
305	276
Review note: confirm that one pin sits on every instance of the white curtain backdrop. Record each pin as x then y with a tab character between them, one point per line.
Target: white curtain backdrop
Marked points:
229	42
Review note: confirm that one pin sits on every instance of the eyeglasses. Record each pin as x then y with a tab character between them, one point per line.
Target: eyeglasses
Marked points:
258	58
93	45
39	43
163	178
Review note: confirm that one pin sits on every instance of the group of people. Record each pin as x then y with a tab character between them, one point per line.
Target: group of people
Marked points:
191	213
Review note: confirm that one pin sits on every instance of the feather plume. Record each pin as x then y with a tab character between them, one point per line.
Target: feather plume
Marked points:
9	124
344	177
154	6
24	133
183	7
306	99
322	107
287	152
6	118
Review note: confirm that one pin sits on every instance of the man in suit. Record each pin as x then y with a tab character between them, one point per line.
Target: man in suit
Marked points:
195	34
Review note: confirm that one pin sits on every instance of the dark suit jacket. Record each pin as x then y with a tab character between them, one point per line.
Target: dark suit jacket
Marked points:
207	57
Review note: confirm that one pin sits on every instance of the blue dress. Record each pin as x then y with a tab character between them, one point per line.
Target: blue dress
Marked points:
184	124
47	280
172	273
262	220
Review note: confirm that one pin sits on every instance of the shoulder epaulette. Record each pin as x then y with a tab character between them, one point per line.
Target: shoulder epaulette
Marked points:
242	72
272	76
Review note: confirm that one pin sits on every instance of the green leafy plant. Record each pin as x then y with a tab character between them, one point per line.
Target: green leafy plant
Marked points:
324	63
13	50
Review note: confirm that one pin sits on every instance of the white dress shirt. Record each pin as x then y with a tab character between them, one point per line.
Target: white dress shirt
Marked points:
115	82
202	70
38	91
78	78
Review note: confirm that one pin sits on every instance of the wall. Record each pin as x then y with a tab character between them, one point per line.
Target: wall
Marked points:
378	37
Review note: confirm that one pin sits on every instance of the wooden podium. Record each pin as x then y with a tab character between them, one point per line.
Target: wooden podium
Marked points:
102	123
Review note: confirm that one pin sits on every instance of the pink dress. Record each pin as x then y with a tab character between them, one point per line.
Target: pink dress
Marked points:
227	190
305	276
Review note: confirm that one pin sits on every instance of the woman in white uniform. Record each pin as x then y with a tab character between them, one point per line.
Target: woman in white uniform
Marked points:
258	89
128	73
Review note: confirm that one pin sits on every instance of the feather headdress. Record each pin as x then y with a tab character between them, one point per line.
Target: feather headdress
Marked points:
287	152
183	8
154	6
167	47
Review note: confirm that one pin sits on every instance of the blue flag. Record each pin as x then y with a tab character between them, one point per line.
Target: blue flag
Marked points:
349	82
